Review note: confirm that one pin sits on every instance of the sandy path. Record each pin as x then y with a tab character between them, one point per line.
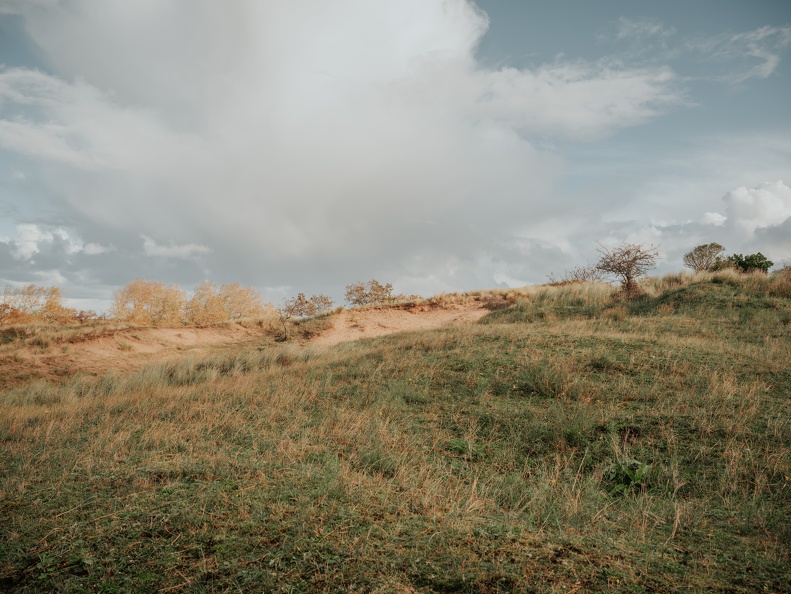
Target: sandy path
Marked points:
127	350
368	323
124	350
131	349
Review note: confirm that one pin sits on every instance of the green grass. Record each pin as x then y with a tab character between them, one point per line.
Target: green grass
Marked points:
569	441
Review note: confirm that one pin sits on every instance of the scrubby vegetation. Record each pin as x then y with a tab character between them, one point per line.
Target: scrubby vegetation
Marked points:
627	263
141	303
302	307
151	303
571	441
374	293
703	257
31	303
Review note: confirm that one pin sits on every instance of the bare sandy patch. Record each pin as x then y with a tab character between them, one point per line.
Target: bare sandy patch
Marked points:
368	323
129	349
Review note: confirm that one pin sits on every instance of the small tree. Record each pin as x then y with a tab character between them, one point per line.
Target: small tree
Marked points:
211	304
33	303
627	263
370	293
53	309
205	306
752	262
148	303
26	300
302	307
243	302
703	257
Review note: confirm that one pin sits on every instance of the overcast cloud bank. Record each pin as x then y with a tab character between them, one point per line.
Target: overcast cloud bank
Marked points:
306	145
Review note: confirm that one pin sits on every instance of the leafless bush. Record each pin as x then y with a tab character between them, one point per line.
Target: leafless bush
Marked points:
303	307
578	274
784	272
370	293
627	263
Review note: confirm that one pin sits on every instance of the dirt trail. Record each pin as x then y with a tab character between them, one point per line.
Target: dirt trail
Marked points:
356	324
127	350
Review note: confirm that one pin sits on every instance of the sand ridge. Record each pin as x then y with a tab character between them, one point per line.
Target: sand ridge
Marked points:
129	349
368	323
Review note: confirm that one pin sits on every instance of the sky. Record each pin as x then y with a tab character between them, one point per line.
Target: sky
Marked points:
439	145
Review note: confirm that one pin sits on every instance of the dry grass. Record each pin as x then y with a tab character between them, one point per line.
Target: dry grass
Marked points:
485	458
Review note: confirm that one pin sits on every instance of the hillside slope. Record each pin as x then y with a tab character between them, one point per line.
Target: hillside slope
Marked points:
571	442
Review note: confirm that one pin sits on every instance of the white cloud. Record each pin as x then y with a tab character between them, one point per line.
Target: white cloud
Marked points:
40	140
364	139
713	218
337	145
753	54
579	100
26	245
172	250
50	277
22	6
31	238
642	28
757	220
94	249
749	209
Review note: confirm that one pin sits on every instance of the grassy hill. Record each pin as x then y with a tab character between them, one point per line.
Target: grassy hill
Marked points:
570	442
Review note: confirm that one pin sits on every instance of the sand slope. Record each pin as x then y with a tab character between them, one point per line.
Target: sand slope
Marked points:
130	349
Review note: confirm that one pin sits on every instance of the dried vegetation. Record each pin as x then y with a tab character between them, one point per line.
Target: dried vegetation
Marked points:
570	442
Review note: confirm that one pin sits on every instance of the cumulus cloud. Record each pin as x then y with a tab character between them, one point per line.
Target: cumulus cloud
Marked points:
759	219
323	148
766	205
755	219
261	146
713	218
30	239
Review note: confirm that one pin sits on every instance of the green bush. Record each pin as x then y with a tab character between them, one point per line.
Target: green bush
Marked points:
751	262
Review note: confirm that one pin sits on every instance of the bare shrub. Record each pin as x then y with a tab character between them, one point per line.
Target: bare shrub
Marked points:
303	307
87	315
627	263
578	274
370	293
784	272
